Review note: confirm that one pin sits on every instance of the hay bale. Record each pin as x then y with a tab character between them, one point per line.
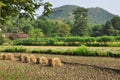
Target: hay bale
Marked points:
33	59
8	56
26	59
1	56
38	60
43	60
55	62
21	58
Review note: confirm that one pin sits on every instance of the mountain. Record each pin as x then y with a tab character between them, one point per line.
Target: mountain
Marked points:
96	15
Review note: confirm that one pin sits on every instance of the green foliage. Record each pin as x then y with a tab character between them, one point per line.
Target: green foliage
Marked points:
36	33
111	28
80	51
15	49
46	26
80	27
1	37
106	39
116	22
28	8
117	38
97	30
62	29
110	41
1	4
17	25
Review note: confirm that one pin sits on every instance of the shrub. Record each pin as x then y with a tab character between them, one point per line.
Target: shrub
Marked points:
55	62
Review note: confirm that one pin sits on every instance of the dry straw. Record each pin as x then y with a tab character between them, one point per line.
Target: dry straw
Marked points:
42	60
26	59
33	59
8	56
55	62
22	58
1	56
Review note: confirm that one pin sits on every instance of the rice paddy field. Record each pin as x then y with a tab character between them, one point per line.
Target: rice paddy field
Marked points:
74	67
105	49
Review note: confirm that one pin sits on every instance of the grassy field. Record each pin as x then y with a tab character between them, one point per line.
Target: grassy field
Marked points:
74	68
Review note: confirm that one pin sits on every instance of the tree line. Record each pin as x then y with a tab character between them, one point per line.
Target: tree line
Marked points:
16	16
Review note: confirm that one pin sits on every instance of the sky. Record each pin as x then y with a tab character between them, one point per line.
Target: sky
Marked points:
112	6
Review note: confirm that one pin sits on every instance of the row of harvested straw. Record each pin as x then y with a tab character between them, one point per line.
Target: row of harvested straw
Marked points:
54	62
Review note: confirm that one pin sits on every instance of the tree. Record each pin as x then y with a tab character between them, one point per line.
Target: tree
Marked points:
116	22
112	27
46	26
24	8
62	29
36	33
80	27
97	30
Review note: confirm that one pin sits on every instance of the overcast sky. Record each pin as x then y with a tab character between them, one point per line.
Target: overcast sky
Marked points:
112	6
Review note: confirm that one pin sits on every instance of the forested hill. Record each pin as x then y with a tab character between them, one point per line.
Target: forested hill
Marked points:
95	15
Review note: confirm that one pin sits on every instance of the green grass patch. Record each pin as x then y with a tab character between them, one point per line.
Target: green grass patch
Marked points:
14	49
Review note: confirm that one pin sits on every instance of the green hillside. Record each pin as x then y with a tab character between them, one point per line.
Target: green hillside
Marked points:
95	15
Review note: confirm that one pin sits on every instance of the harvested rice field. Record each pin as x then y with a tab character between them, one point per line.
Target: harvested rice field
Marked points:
73	68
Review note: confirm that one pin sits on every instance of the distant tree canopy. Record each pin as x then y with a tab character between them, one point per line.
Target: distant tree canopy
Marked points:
24	8
80	27
52	28
111	28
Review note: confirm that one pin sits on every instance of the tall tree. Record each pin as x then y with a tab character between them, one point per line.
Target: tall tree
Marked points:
112	27
62	29
97	30
116	22
80	27
24	8
46	26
